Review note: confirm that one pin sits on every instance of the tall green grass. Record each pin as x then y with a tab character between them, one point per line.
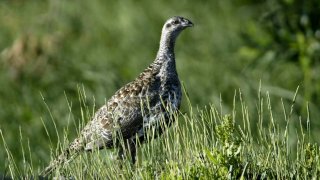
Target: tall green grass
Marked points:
201	144
105	44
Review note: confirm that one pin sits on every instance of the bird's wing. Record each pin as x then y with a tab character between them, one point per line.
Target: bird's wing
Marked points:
124	112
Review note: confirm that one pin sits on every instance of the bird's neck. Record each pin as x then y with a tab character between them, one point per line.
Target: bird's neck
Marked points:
165	57
166	48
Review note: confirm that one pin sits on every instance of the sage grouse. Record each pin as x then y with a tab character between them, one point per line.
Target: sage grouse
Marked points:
138	105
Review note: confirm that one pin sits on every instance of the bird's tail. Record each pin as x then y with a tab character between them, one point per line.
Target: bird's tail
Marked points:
65	157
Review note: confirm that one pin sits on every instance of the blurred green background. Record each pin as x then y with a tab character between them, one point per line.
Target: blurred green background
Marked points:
50	48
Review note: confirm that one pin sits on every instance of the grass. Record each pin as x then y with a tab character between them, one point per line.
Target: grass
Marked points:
101	45
202	144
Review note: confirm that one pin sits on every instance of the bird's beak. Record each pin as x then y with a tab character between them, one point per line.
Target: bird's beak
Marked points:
188	23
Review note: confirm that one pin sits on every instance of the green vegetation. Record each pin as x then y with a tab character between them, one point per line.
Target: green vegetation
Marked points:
203	144
267	49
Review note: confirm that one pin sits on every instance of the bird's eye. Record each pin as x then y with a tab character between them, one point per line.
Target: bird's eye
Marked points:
176	22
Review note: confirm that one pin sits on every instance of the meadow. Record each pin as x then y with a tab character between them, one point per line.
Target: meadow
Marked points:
250	71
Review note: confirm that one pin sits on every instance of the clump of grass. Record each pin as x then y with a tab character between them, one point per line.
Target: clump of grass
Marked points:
201	144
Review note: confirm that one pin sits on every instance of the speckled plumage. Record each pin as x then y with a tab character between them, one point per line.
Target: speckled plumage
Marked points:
137	105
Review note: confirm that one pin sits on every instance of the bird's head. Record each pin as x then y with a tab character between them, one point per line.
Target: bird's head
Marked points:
175	25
